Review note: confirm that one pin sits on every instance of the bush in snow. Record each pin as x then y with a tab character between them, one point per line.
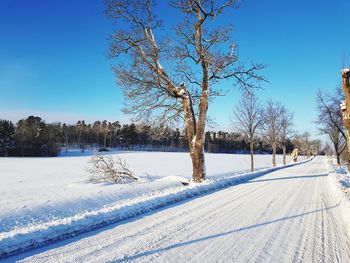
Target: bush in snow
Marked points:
107	169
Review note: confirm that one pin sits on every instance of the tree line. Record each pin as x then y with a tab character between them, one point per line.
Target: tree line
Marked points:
33	137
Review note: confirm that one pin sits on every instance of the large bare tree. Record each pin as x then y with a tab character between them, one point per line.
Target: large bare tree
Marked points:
286	119
272	125
247	118
171	75
330	121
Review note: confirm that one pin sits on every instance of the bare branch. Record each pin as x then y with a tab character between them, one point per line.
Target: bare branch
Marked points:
106	169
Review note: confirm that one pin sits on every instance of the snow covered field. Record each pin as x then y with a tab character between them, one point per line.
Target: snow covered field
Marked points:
45	198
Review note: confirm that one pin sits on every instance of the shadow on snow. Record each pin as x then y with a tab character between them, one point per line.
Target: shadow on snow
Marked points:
286	178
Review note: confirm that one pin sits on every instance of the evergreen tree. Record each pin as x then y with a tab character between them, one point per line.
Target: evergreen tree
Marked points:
7	139
31	137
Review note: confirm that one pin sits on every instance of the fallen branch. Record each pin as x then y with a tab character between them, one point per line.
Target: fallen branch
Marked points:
107	169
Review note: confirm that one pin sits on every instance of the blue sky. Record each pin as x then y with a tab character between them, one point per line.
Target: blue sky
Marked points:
53	62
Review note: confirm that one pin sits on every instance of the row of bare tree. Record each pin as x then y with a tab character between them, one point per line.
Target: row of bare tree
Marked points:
273	121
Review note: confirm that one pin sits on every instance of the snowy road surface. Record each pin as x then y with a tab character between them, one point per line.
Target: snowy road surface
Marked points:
291	215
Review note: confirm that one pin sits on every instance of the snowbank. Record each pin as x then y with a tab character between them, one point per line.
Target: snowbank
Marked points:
55	212
340	180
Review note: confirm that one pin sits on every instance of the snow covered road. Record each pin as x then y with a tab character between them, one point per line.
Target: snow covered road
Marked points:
291	215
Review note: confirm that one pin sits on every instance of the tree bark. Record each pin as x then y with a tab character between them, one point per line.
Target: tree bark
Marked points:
338	159
348	143
284	148
251	144
198	163
337	151
346	110
274	147
195	138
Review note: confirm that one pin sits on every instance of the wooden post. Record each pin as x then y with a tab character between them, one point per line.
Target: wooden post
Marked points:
345	108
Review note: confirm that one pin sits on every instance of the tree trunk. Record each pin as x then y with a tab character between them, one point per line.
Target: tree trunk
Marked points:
348	143
195	139
251	144
198	163
105	140
274	147
284	153
338	158
337	151
346	108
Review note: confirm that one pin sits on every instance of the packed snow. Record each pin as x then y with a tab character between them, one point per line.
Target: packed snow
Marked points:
45	199
290	215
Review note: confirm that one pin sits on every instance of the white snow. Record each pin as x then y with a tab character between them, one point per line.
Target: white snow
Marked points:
345	70
44	199
290	215
182	92
340	179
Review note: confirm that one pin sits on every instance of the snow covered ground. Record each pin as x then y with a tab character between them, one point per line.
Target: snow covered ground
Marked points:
43	199
341	182
290	215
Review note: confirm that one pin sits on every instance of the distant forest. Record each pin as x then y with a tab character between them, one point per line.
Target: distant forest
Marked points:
33	137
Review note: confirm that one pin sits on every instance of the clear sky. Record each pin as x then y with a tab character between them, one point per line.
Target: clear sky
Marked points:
53	62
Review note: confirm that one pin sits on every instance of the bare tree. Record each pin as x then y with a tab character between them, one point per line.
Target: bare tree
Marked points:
172	76
302	143
272	125
306	143
316	146
247	119
327	149
330	121
286	119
